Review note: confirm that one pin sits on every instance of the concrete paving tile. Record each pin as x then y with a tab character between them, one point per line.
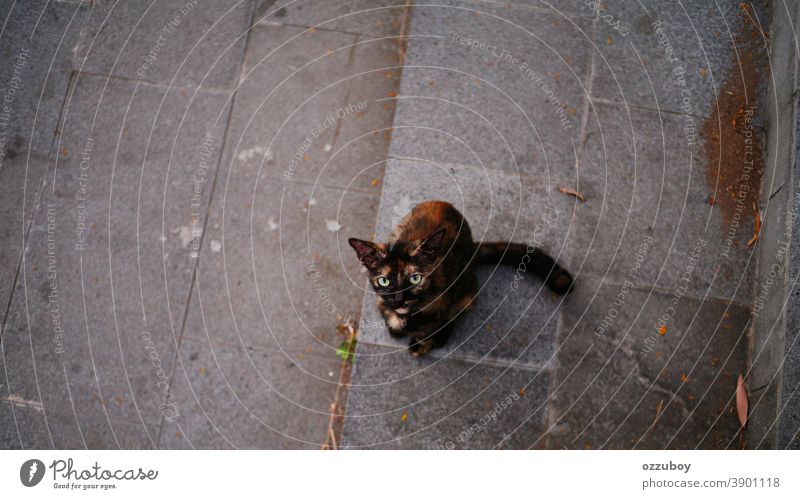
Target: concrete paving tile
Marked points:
286	115
373	17
509	96
568	7
37	44
397	401
32	432
508	324
631	63
625	381
362	141
20	180
246	398
642	181
100	303
181	41
497	206
290	282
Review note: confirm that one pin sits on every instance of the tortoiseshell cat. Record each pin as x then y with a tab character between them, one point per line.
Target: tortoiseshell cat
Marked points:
425	276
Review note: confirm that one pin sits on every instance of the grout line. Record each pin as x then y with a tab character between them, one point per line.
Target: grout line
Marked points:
275	24
192	284
45	157
668	291
587	99
211	89
26	233
290	352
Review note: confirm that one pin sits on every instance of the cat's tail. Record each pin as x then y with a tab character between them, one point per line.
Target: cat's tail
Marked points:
519	255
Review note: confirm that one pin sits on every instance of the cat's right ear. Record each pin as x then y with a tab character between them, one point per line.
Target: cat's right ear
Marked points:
369	254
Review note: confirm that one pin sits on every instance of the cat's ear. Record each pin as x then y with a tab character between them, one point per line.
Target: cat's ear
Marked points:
369	254
431	245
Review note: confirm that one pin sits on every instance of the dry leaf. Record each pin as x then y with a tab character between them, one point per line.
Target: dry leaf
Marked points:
757	227
741	401
570	192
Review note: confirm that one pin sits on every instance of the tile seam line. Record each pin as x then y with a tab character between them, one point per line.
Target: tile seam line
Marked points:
668	291
210	89
545	367
261	348
228	118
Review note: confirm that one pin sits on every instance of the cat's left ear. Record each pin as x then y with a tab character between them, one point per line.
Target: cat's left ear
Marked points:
431	245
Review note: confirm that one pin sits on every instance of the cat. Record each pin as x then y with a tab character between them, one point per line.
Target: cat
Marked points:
425	276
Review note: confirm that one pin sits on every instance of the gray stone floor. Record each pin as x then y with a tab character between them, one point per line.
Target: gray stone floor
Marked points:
647	351
179	180
168	277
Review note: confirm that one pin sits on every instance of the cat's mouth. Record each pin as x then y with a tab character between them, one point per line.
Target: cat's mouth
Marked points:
406	308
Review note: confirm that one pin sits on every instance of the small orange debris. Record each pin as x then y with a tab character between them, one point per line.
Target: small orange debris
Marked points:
570	192
757	227
609	41
684	378
662	330
404	416
374	182
392	94
306	157
741	401
522	392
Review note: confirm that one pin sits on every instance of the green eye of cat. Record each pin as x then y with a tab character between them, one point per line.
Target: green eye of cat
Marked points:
383	281
415	279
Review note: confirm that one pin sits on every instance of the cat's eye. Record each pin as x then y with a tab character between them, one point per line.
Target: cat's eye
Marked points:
383	281
415	279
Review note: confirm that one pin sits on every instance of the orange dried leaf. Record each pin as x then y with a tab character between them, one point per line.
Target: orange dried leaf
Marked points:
741	401
757	227
570	192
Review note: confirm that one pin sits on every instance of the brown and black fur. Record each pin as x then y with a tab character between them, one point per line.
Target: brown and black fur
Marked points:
435	241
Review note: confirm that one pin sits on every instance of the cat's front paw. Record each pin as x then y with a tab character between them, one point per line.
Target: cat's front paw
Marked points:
420	346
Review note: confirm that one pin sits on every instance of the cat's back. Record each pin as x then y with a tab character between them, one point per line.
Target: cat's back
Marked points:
429	216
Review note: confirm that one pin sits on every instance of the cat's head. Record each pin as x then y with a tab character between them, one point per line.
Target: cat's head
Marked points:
401	273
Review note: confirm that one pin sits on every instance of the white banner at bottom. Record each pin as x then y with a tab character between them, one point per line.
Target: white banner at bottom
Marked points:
382	474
